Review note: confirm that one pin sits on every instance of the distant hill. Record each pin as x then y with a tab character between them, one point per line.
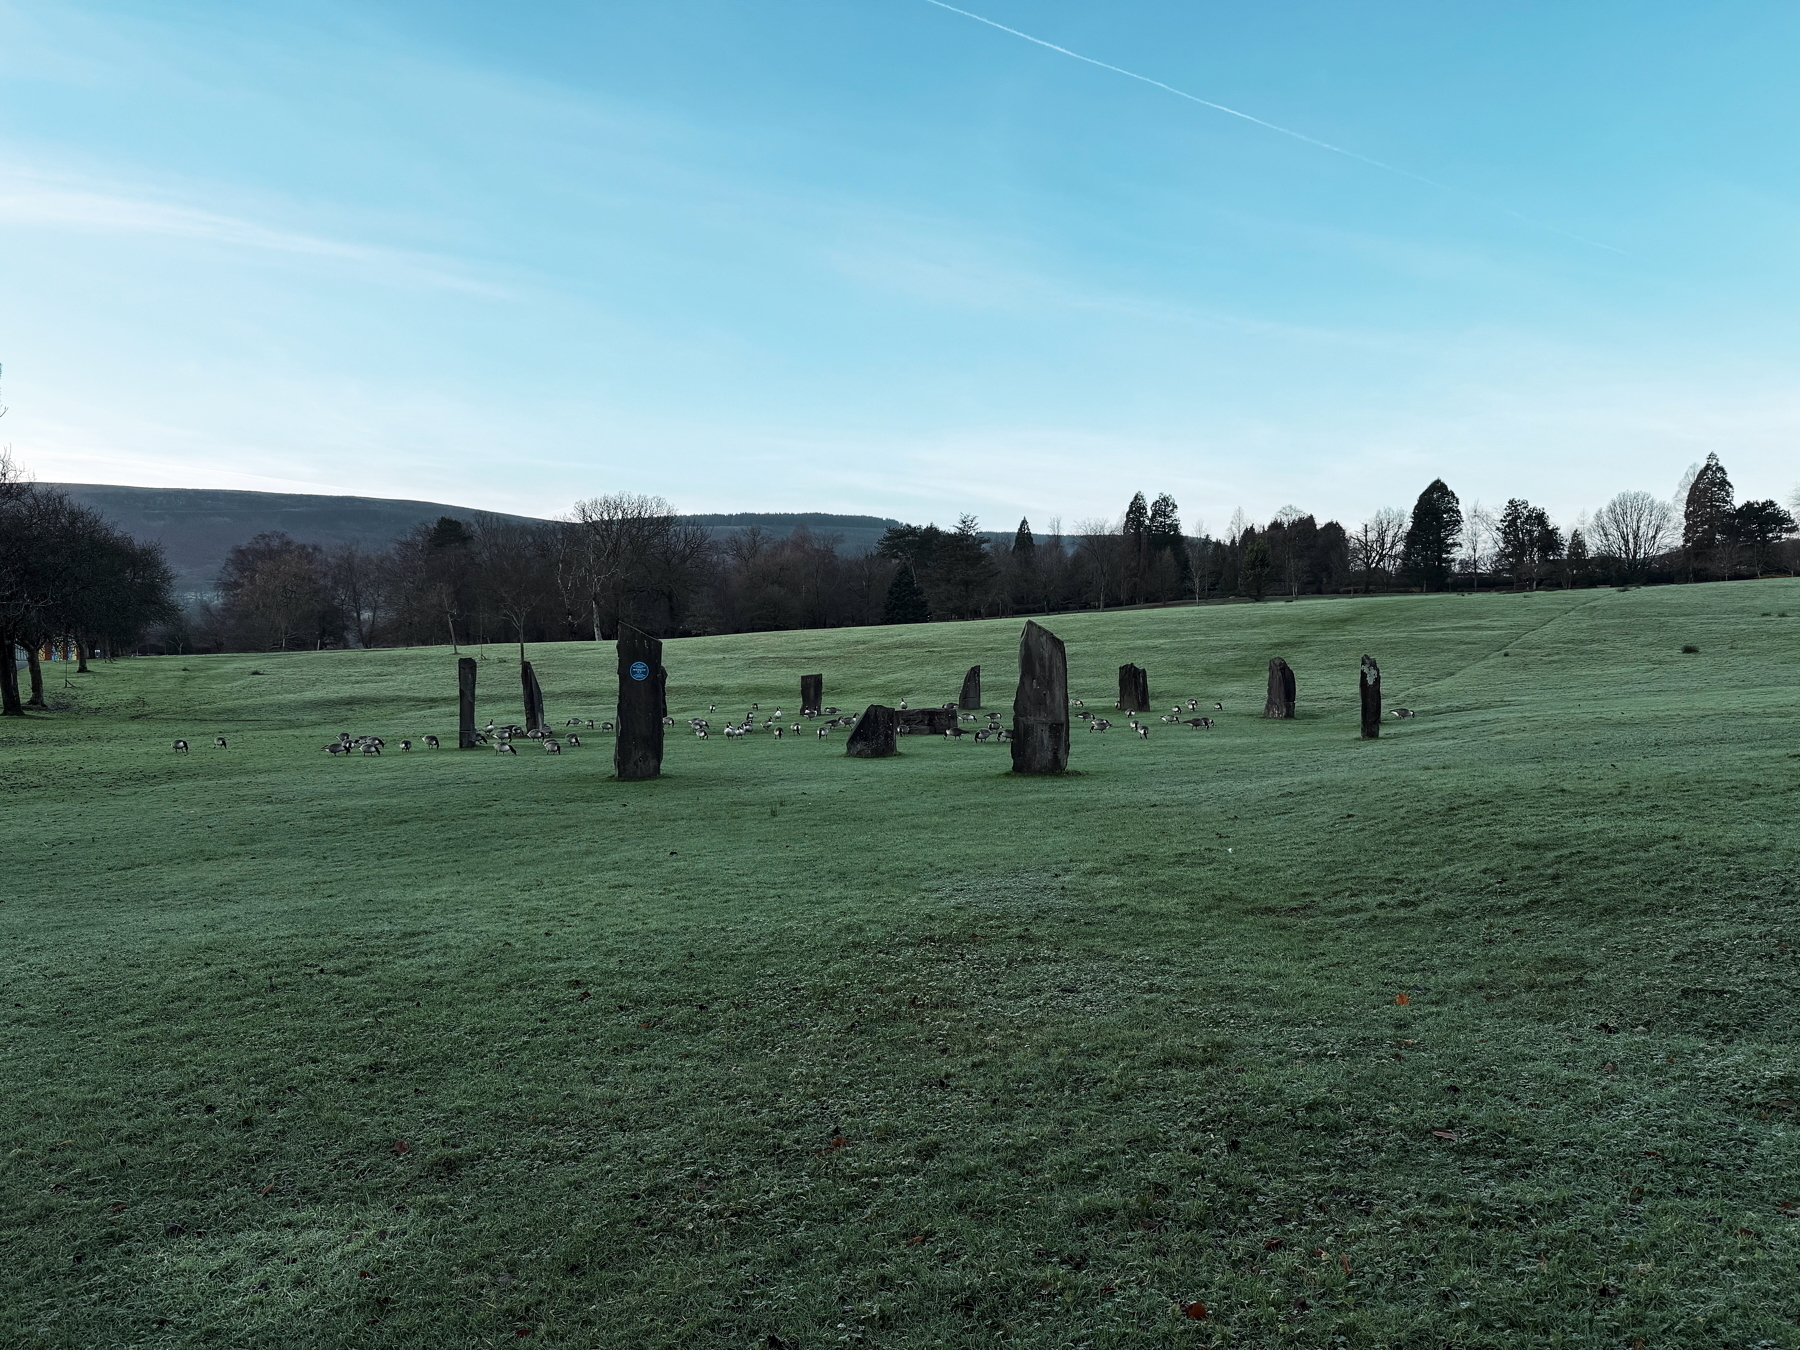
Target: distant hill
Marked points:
197	527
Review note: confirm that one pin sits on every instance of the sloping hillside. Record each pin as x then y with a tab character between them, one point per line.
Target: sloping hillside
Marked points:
197	527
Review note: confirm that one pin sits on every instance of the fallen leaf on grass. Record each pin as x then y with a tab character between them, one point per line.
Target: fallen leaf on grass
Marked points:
1610	1291
1444	1134
401	1146
118	1209
1651	1153
1402	999
1344	1261
1195	1310
1791	1208
266	1189
1271	1244
584	994
915	1241
1301	1305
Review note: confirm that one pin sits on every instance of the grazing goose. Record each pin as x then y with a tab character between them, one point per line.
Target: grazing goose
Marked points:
504	748
431	742
370	748
219	742
574	739
1143	732
573	722
406	745
337	748
1198	722
181	746
551	747
1219	706
1404	712
700	733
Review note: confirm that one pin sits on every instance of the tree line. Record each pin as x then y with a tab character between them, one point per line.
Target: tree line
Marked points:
69	579
65	574
630	560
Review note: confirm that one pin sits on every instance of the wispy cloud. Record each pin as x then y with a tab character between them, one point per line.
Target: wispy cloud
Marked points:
1276	127
28	198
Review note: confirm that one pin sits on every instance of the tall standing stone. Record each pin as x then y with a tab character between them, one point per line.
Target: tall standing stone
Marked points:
1134	689
970	698
1040	742
873	735
638	746
1370	685
1281	690
812	694
465	703
534	698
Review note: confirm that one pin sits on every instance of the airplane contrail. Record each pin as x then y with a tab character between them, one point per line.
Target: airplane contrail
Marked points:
1272	126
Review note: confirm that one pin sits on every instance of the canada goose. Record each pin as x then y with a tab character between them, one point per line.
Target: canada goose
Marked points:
551	747
181	746
574	739
1198	722
1143	732
219	742
1404	712
504	748
335	748
406	745
371	749
1219	706
431	742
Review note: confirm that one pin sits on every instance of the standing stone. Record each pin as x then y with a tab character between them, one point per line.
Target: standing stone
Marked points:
1281	690
465	703
970	698
1371	698
534	698
643	683
1040	742
1134	689
873	735
812	694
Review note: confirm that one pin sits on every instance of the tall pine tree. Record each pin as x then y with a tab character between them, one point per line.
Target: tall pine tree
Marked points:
1432	537
905	599
1706	517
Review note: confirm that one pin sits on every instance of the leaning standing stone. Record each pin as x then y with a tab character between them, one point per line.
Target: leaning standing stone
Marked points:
465	703
1040	742
812	694
1281	690
638	747
1370	684
873	735
970	698
1134	689
534	698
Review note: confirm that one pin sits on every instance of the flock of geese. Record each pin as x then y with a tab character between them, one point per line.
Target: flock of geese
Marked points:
771	724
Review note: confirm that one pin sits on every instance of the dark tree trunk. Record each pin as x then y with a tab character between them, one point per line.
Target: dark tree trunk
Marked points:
1281	690
36	668
970	698
9	681
1040	741
81	655
1370	685
465	703
643	701
1134	689
534	698
812	694
873	735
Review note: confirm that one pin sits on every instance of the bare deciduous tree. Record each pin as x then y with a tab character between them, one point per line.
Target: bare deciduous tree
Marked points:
1634	527
1375	546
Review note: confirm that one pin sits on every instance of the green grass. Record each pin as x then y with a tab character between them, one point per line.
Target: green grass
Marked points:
792	1049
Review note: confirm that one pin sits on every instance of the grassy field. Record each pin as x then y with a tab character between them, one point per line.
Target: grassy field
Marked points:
792	1050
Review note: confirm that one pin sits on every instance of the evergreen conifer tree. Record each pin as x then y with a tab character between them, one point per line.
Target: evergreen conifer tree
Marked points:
1431	538
1706	515
905	599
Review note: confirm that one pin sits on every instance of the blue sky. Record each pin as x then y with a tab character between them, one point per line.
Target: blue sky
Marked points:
876	256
